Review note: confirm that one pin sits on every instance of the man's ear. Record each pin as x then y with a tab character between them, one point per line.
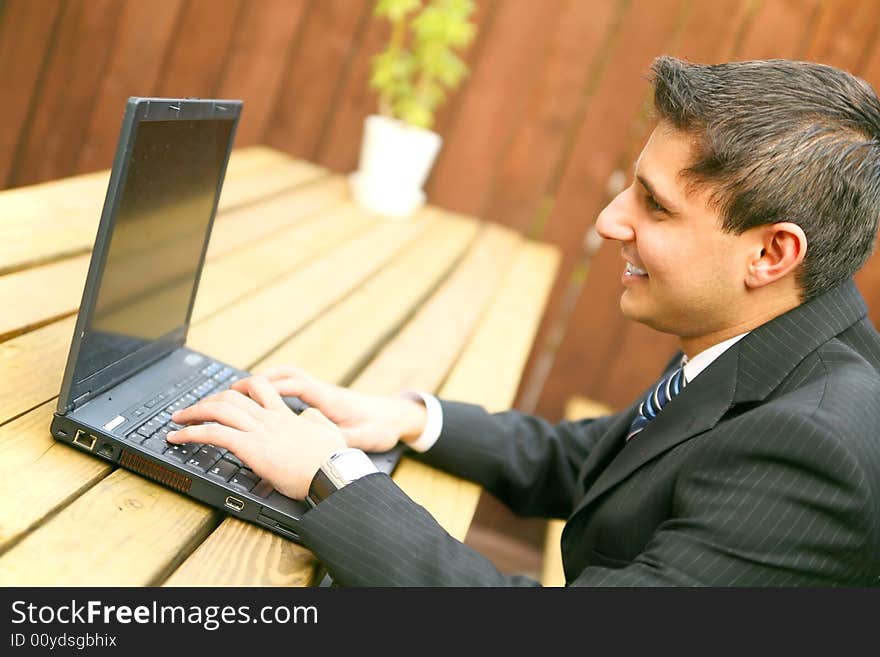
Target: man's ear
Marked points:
779	249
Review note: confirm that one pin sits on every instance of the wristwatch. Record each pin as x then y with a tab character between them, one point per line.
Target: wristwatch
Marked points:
342	468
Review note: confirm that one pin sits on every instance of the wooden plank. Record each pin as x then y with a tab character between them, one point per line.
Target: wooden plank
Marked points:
43	350
241	554
250	222
378	308
438	327
60	286
197	55
497	352
26	30
254	68
270	316
30	454
552	572
133	69
50	145
49	221
499	86
245	271
144	530
316	66
554	108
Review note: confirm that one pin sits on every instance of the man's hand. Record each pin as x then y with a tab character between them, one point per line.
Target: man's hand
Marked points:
373	423
256	425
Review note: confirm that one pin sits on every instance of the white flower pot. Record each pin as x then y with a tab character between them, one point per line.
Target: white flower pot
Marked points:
395	161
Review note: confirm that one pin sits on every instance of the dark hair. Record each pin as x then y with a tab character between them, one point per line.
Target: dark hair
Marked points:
780	140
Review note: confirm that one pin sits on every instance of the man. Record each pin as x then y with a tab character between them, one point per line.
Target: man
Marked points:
756	458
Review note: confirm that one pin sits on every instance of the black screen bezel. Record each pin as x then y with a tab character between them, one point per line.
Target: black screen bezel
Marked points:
137	111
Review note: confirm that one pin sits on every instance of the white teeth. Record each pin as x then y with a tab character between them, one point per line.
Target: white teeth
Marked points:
632	270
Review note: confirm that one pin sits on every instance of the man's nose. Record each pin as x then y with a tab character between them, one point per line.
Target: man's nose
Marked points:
614	222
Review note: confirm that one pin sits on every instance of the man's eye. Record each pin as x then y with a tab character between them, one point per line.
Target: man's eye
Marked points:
653	204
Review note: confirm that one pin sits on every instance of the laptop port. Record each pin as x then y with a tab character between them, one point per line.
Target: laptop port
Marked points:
106	450
84	440
234	503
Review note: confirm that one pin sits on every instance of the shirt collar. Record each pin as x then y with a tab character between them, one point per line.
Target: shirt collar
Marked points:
703	359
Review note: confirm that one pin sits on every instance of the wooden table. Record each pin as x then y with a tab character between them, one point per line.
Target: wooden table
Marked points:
295	273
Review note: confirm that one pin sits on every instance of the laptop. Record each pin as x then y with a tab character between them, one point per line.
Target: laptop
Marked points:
129	367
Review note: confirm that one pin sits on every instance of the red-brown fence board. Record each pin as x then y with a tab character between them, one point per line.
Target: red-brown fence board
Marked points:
645	29
263	40
556	102
26	33
497	90
332	30
198	53
133	68
61	108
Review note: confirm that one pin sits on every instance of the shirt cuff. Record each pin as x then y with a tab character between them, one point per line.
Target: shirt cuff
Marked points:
434	424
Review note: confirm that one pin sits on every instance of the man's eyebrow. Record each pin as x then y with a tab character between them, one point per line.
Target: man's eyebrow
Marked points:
662	200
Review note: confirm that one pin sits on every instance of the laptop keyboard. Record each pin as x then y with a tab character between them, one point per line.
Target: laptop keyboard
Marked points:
215	462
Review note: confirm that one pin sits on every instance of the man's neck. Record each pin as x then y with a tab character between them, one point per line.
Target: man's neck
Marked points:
693	345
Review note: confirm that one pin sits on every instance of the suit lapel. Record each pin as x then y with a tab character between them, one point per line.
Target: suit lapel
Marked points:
696	409
749	371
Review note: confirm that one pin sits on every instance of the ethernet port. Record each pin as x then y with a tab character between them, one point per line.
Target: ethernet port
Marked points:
84	440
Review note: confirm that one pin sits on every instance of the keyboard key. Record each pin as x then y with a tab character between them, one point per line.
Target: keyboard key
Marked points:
262	489
182	452
244	479
211	452
202	460
157	445
223	469
232	457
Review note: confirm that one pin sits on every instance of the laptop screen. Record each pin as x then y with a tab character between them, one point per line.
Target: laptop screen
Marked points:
164	205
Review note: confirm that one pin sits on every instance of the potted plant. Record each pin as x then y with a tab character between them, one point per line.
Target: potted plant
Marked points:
412	77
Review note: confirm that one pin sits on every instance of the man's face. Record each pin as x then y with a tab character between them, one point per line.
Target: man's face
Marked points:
683	275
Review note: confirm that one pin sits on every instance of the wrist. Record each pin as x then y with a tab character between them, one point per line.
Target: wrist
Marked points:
412	418
337	471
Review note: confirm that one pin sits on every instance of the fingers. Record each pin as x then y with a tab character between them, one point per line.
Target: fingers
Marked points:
212	434
285	372
312	414
228	407
262	391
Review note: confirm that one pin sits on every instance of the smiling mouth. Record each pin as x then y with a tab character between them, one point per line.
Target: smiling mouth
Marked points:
632	270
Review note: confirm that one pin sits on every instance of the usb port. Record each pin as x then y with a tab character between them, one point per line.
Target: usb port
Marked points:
84	440
234	503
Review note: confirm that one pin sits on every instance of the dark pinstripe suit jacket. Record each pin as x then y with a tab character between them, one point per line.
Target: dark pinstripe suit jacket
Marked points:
765	470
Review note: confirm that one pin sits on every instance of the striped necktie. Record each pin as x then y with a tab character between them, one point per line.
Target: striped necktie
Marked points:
668	387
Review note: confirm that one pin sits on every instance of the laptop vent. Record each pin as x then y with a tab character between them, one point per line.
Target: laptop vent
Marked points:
155	471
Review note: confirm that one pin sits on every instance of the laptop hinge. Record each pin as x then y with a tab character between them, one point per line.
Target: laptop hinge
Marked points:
83	398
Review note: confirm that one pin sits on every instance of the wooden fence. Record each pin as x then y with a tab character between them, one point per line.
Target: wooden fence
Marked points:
545	128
